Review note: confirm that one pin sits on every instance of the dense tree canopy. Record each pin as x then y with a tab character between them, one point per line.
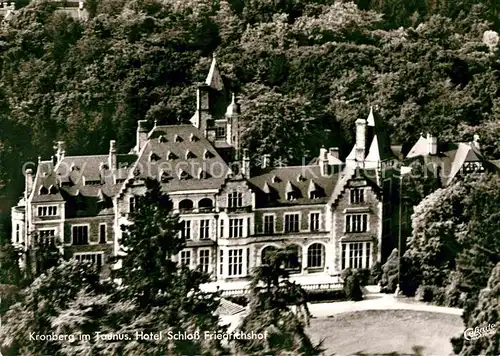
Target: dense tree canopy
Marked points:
311	65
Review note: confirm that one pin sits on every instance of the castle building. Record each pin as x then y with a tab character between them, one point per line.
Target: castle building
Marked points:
330	213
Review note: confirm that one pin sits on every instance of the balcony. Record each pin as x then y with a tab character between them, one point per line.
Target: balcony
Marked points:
240	209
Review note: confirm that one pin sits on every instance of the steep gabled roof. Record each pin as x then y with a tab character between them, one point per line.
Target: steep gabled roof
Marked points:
272	187
182	159
214	79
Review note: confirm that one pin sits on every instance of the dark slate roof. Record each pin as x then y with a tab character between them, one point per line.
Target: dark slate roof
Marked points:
85	183
449	159
181	153
298	179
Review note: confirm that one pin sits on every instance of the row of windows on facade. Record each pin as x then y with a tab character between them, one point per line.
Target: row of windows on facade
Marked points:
354	255
79	235
354	223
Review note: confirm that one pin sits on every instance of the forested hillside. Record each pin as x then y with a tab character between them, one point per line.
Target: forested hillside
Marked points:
304	70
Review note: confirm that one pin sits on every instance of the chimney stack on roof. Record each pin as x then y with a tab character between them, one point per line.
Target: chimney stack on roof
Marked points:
142	134
28	183
334	152
112	155
59	151
266	161
245	168
360	142
323	161
432	144
476	143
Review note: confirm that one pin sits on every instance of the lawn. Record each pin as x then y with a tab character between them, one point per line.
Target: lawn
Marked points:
387	331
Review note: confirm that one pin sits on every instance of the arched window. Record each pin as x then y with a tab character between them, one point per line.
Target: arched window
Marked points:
205	203
294	253
316	256
266	253
186	204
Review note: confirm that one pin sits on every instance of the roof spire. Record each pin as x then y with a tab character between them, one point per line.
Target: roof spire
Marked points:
214	79
371	118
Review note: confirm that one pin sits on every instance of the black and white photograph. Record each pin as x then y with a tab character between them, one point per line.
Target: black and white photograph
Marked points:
249	177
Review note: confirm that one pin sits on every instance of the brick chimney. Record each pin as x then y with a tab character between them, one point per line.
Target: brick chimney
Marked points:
112	155
245	168
334	152
323	161
360	141
266	161
142	134
476	143
60	151
28	183
432	144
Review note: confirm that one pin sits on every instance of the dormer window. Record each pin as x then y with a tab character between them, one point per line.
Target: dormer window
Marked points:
183	175
165	177
153	157
300	178
43	191
276	179
208	154
177	138
52	190
315	191
162	139
190	155
194	138
171	156
73	167
292	193
204	175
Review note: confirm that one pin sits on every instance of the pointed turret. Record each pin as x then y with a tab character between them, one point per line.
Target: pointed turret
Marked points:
214	79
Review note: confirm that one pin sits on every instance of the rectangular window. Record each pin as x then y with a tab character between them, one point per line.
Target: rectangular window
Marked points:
292	222
220	132
131	204
221	262
204	229
235	262
235	200
221	228
185	232
47	210
356	223
92	257
344	250
356	255
80	234
102	233
314	221
235	227
185	258
18	233
204	260
357	196
268	224
47	237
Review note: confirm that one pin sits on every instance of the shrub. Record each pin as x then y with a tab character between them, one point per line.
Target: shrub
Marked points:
376	272
424	293
352	288
364	276
346	273
325	295
389	279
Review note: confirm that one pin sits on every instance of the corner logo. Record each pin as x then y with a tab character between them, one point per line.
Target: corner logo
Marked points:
476	333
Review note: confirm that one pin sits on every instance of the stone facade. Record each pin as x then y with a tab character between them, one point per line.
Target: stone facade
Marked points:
329	213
